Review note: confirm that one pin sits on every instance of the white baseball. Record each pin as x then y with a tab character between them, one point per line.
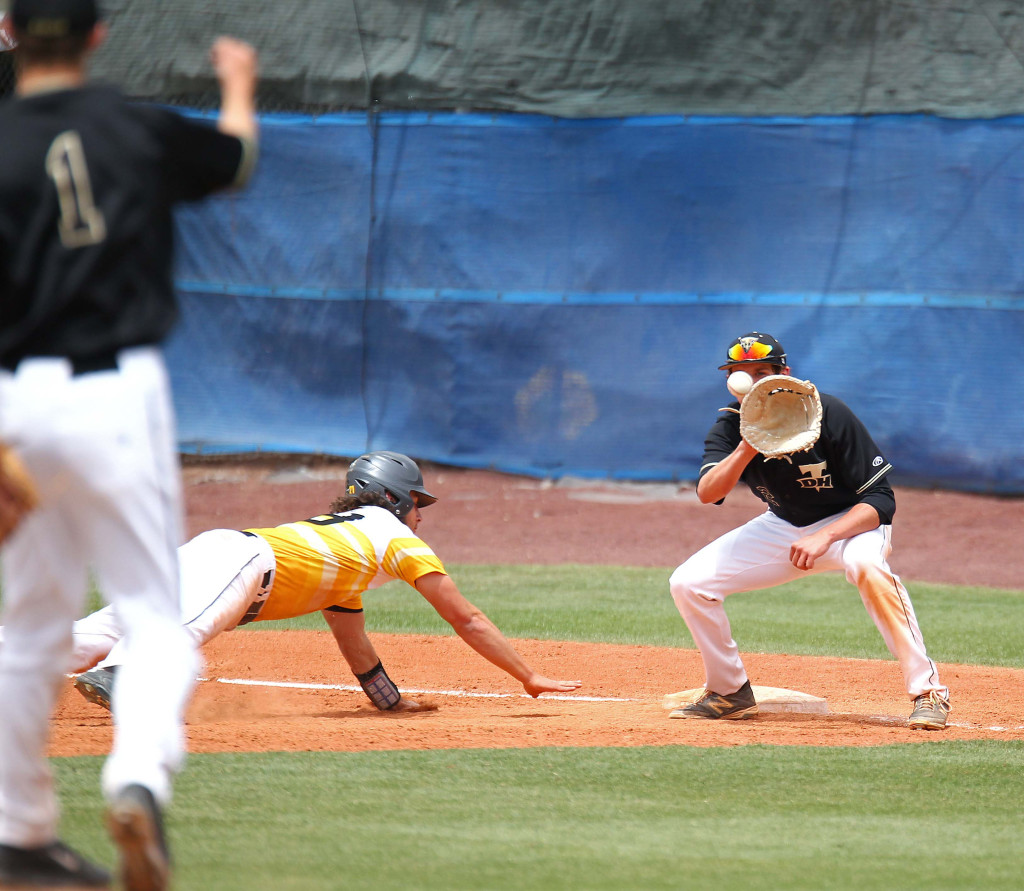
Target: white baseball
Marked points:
739	383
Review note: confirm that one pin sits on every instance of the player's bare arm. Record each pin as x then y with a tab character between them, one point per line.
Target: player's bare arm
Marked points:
349	630
483	635
859	518
235	64
721	479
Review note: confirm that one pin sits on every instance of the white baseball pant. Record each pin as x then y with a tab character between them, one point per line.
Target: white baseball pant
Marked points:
224	574
755	556
102	449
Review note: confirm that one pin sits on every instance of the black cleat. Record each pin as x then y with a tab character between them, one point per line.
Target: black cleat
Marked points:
96	685
52	866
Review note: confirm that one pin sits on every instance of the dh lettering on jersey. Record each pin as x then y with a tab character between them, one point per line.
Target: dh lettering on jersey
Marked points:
815	476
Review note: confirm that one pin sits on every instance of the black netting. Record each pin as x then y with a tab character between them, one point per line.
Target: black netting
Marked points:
584	58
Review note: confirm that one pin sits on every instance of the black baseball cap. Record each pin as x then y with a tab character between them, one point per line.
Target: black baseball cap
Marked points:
754	347
54	18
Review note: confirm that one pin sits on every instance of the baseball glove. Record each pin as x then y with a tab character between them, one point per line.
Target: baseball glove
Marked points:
781	415
18	493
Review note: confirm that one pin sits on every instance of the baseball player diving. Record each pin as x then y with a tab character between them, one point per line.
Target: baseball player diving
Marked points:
326	563
829	508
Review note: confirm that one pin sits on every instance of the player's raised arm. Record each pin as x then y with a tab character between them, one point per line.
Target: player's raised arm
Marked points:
483	635
236	66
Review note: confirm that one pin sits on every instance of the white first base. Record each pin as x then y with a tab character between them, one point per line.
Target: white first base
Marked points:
769	699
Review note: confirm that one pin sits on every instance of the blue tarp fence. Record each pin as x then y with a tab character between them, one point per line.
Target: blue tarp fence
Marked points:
553	297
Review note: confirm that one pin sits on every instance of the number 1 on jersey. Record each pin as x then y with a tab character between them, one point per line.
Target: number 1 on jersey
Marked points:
81	222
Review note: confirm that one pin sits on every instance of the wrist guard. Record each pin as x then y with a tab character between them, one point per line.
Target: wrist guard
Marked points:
380	689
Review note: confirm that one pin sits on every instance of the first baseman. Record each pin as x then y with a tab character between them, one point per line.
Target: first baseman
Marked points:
88	182
829	508
325	563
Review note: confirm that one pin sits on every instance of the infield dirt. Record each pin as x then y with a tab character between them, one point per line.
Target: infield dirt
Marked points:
494	518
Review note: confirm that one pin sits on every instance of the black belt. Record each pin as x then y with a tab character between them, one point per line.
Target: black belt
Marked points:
254	608
102	362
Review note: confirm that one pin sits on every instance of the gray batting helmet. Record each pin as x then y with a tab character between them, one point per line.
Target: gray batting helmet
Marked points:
392	474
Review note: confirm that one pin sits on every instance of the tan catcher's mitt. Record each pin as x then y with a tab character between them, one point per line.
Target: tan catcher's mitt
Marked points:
17	491
781	415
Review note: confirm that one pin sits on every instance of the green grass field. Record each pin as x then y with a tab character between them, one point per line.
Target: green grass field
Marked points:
937	814
822	615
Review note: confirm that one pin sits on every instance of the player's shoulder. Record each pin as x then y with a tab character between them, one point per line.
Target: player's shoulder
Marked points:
100	107
378	519
840	422
833	406
727	421
94	98
101	91
54	104
158	119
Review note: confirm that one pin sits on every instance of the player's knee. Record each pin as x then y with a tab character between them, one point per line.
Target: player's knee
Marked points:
683	588
87	650
860	570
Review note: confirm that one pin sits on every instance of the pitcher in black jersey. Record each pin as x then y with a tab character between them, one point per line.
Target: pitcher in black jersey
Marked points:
88	183
828	508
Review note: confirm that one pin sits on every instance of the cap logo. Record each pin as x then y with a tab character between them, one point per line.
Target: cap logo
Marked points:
49	28
749	349
53	19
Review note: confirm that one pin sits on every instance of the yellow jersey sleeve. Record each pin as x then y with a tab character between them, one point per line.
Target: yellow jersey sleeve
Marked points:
332	559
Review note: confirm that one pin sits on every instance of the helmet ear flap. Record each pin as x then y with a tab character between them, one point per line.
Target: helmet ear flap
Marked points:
359	486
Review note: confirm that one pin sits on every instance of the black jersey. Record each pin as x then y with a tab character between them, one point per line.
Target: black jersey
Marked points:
87	185
843	468
6	71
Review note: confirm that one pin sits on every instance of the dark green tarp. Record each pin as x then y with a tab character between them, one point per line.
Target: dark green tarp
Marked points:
588	58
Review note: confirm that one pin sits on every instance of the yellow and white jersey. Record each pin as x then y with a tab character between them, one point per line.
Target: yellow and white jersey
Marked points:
332	559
